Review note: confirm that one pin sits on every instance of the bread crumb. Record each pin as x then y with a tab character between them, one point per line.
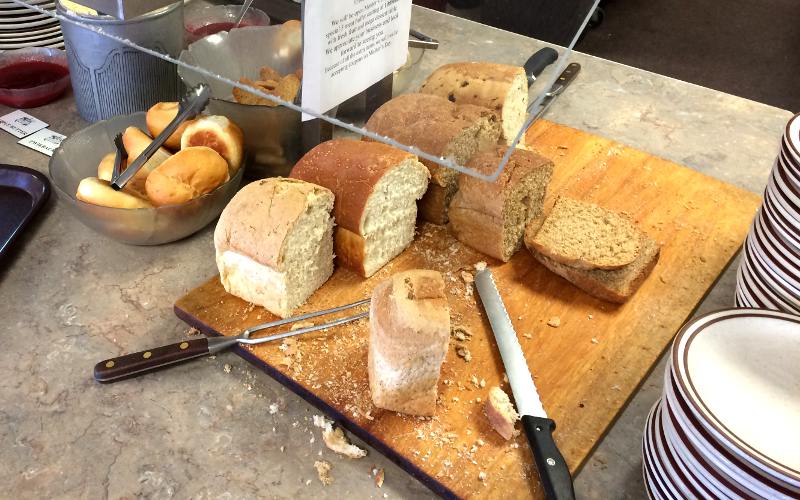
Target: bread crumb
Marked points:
336	440
481	476
555	322
460	333
379	478
464	353
482	383
282	448
226	368
191	332
273	408
591	316
467	277
480	266
324	472
595	341
301	324
527	335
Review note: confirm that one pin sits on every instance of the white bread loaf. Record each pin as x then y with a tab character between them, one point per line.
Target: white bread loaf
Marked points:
500	87
219	134
376	189
274	243
438	127
492	217
409	334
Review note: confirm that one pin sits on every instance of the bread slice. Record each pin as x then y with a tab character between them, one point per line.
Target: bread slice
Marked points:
614	285
585	236
409	334
438	127
501	413
491	217
501	87
274	243
376	189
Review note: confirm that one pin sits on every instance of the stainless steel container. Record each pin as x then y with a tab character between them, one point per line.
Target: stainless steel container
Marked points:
109	78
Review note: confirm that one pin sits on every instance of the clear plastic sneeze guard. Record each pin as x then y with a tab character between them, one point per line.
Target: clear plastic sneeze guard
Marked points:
342	50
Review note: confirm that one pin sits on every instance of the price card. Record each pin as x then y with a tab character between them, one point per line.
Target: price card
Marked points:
349	45
44	141
19	123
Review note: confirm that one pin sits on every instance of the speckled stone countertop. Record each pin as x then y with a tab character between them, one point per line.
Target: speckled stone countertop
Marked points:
69	298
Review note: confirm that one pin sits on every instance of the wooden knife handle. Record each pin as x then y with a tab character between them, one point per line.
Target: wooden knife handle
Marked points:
129	365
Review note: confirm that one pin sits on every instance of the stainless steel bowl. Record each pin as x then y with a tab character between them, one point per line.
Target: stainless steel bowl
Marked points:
78	157
271	135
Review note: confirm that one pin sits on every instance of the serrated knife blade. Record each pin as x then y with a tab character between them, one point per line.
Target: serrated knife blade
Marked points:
552	467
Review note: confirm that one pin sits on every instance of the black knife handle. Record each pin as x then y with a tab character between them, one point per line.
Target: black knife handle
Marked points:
553	470
111	370
538	62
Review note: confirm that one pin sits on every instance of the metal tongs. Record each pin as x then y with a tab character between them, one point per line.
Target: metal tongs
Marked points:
191	104
421	40
129	365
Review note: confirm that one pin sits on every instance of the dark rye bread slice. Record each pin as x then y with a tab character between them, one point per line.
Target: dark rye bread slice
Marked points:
585	236
614	285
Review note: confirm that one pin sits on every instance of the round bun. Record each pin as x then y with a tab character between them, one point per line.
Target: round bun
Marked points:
135	141
159	116
189	173
219	134
99	192
134	186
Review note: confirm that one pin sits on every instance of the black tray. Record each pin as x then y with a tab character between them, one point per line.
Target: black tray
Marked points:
22	193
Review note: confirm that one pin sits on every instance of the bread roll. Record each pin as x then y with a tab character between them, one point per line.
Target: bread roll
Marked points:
441	128
274	243
159	116
492	217
219	134
99	192
409	333
134	186
187	174
135	141
376	188
500	87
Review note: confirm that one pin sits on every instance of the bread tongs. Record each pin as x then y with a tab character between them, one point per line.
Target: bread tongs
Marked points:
129	365
193	102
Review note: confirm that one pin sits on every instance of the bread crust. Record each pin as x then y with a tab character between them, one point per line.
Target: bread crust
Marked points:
350	169
189	173
476	212
409	335
350	250
266	207
159	116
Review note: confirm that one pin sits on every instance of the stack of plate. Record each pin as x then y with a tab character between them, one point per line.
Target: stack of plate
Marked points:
22	27
728	424
769	273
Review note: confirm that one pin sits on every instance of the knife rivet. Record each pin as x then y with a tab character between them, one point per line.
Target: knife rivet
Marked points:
110	364
550	462
147	354
184	345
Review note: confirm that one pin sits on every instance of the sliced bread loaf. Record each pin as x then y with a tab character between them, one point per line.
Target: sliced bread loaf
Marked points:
491	217
501	87
274	243
376	189
409	333
585	236
614	285
438	127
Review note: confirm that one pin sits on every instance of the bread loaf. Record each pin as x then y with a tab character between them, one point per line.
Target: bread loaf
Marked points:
409	334
219	134
159	116
491	217
189	173
274	243
135	141
99	192
376	188
500	87
585	236
438	127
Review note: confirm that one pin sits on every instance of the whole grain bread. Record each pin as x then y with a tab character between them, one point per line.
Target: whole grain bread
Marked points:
585	236
491	217
409	335
438	127
501	87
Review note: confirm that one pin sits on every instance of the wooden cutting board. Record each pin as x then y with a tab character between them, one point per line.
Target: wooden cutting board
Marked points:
586	368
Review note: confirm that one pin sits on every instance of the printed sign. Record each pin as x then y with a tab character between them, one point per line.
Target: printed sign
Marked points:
349	45
44	141
19	123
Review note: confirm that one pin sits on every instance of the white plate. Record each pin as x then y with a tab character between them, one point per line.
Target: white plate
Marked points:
739	369
29	24
22	10
660	482
791	139
11	21
29	32
48	42
773	249
11	5
789	233
30	38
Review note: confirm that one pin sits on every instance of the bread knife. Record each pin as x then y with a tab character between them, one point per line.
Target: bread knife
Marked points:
535	64
562	82
552	467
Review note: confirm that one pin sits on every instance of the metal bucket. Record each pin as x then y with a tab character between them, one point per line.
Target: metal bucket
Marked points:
111	79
